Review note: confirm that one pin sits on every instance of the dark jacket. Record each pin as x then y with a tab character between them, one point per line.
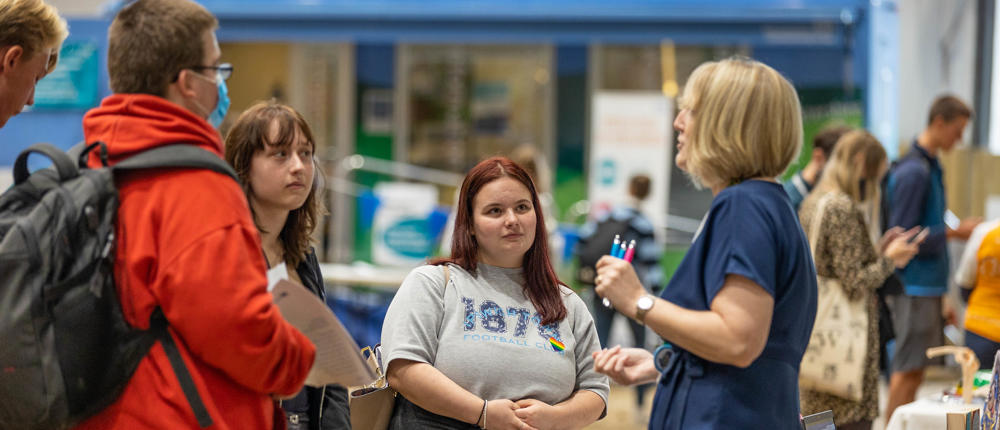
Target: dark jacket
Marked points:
916	198
328	409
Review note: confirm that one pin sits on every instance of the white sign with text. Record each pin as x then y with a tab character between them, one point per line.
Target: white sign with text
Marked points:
631	133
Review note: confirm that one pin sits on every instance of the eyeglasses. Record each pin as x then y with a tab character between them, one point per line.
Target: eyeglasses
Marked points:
223	71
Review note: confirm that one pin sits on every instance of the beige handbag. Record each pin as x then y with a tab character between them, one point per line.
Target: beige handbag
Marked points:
372	404
834	361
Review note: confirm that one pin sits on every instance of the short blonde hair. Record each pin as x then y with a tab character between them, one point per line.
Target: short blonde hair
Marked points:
858	155
34	26
747	122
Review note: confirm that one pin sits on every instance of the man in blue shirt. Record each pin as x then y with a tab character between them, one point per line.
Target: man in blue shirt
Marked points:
916	198
799	186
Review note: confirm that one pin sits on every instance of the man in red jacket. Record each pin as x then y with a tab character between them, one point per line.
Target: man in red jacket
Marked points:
185	240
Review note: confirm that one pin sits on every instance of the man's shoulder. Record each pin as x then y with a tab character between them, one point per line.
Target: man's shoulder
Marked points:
642	224
911	168
194	197
789	185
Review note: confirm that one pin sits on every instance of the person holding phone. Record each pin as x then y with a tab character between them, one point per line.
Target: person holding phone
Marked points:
916	197
849	249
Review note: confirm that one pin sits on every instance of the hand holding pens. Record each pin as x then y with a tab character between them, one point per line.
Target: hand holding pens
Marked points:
619	250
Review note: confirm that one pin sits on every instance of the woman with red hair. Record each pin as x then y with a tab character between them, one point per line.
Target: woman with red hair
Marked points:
490	337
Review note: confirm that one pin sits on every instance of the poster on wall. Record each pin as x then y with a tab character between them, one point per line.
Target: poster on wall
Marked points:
630	134
73	84
402	234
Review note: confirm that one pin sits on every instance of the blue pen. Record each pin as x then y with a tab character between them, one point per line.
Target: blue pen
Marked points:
621	250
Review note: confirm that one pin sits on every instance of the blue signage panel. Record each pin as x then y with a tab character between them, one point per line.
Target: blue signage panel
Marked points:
73	84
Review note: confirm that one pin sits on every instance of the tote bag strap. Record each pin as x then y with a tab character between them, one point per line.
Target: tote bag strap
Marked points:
814	229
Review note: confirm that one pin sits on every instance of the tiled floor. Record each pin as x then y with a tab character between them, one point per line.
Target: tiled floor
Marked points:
624	415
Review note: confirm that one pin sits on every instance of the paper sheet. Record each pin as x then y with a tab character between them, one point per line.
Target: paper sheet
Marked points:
338	358
276	274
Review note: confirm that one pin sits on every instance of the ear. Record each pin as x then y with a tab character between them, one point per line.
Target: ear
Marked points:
937	122
10	56
185	83
819	155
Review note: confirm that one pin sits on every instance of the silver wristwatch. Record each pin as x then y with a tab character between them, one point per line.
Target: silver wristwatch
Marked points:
643	305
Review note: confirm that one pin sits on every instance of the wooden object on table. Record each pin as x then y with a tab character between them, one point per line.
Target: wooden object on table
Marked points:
967	359
967	420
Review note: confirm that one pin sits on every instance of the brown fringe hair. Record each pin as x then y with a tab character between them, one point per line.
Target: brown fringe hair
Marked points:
249	135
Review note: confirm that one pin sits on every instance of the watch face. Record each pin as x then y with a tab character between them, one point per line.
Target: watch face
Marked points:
645	302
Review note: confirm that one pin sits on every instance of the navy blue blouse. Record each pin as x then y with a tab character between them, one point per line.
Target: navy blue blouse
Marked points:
751	230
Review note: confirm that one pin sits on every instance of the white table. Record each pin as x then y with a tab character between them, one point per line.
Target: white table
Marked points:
925	414
381	277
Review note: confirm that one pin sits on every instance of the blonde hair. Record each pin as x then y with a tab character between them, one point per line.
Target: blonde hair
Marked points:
857	156
747	122
34	26
532	161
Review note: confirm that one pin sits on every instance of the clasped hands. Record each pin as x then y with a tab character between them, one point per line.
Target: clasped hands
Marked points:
524	414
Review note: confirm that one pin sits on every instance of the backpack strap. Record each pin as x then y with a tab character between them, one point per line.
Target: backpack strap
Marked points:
177	155
63	164
158	327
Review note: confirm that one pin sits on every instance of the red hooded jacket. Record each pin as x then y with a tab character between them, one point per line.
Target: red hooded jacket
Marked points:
187	244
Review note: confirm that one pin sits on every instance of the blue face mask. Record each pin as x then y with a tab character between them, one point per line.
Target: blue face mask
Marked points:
216	116
222	107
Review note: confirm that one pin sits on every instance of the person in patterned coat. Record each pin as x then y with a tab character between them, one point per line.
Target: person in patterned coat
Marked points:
849	250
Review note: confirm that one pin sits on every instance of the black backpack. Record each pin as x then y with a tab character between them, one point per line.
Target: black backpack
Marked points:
68	350
591	249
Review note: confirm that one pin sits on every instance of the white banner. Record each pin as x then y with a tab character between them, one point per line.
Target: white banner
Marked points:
631	134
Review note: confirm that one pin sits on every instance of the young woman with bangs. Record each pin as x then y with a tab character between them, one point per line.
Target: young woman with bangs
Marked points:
271	148
504	344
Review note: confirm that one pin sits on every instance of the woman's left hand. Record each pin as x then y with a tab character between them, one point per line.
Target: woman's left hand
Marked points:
537	414
616	281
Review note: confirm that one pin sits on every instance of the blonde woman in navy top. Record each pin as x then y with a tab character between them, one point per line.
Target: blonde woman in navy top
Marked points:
740	307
